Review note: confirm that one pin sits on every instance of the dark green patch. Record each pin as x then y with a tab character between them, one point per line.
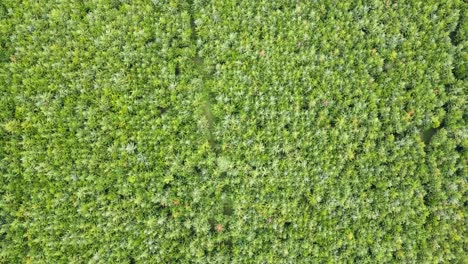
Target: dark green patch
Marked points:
427	135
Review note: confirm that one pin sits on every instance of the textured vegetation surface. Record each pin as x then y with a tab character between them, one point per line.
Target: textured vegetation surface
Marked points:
233	131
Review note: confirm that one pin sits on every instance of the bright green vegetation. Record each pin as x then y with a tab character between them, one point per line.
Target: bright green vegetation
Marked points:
233	131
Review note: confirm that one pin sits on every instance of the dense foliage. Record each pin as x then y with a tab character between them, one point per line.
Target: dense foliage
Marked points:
233	131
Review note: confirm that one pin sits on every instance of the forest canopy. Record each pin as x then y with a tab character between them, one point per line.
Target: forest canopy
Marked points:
226	131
